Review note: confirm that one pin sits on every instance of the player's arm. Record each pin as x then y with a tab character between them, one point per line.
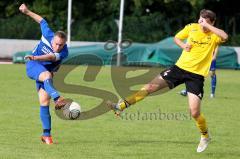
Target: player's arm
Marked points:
181	36
219	32
187	47
48	57
24	9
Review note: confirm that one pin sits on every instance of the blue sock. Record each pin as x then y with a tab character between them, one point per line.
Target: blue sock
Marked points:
49	88
213	83
46	120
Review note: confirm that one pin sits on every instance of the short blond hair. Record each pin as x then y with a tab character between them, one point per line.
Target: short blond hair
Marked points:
61	34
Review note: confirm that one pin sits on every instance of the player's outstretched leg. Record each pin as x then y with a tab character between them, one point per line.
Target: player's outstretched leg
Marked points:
156	84
194	104
46	78
123	104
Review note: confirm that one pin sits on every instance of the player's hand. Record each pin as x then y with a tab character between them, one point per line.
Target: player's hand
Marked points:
203	22
29	57
24	9
187	47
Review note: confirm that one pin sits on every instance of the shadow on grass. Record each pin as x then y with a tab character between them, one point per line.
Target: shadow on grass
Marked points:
223	154
159	142
132	142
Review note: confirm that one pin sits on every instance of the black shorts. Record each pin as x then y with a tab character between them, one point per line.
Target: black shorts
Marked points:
175	76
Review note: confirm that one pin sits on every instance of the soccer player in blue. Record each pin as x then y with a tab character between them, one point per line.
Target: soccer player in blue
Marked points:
44	60
212	74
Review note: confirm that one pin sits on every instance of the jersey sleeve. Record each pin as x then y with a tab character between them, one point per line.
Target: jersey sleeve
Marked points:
46	31
183	34
218	39
63	53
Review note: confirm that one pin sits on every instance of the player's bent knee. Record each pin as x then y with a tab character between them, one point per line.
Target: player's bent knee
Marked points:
45	75
213	74
44	100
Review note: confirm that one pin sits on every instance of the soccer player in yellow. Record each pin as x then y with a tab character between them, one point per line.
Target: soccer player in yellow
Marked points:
193	65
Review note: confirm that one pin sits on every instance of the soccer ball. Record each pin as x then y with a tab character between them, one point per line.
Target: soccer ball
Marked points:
72	111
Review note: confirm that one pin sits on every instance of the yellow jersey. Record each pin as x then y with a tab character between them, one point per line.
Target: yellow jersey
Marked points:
198	59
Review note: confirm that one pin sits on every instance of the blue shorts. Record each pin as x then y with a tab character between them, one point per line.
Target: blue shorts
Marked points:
34	69
213	65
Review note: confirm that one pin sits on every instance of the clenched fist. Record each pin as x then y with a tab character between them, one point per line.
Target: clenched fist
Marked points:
24	9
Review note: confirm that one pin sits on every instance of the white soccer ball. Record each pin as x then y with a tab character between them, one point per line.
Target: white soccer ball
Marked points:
72	111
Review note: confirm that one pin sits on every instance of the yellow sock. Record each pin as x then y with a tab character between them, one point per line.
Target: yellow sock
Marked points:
133	98
201	124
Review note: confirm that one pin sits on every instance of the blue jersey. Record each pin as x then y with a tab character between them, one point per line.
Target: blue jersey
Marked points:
45	47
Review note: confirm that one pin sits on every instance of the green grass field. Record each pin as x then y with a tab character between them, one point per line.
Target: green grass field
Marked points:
109	137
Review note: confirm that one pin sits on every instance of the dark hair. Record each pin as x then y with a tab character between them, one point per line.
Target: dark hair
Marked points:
61	34
208	14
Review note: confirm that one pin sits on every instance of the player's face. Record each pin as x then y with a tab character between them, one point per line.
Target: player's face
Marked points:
207	20
58	44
